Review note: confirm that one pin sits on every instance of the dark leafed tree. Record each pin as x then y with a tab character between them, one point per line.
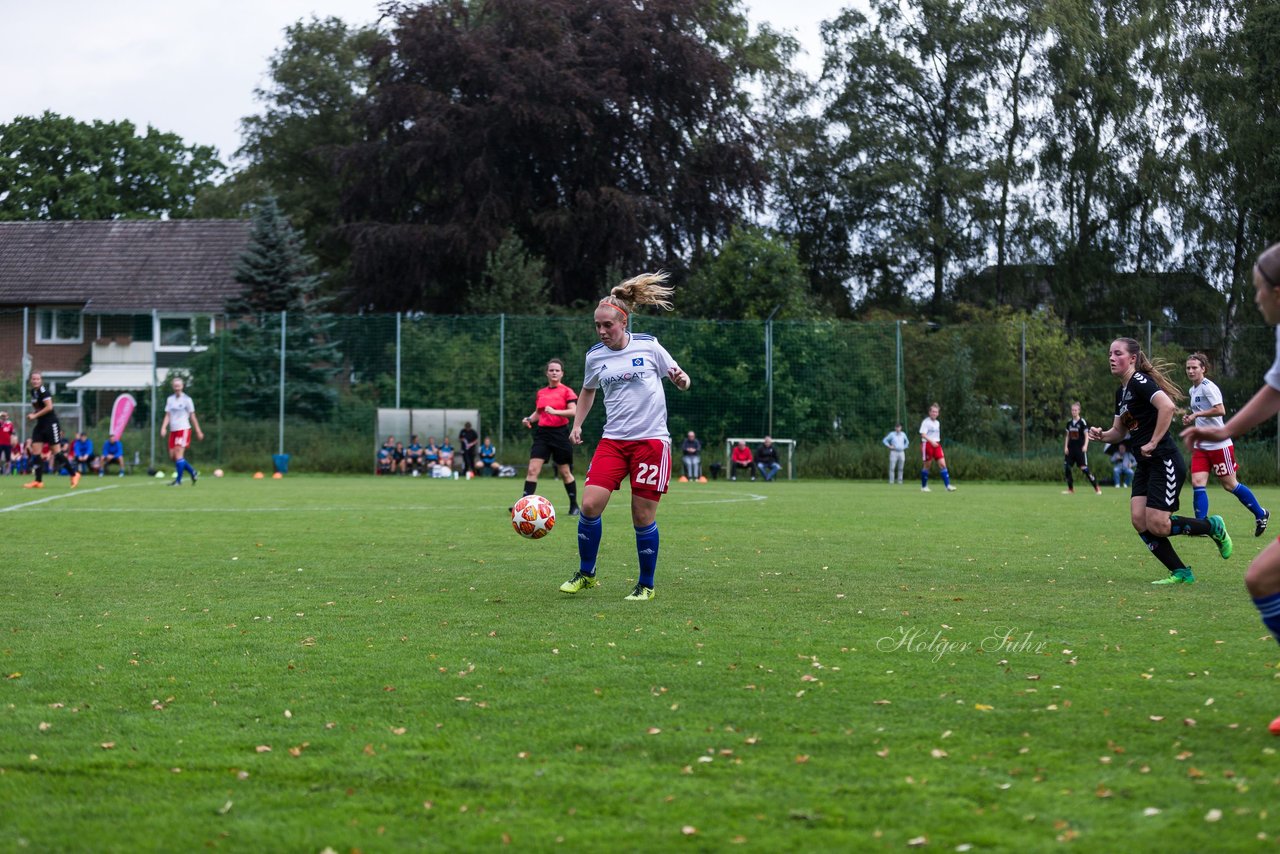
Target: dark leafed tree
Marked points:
908	100
54	167
596	132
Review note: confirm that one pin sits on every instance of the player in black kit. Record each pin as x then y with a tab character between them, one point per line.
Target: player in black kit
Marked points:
1074	450
1144	410
46	437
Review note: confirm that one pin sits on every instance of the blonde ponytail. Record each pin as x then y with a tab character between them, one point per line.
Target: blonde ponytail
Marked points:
645	289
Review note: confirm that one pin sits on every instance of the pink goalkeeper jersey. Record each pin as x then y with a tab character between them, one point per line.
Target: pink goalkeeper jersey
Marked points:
635	403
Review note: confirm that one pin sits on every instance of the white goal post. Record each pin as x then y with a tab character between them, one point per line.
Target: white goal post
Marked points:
789	444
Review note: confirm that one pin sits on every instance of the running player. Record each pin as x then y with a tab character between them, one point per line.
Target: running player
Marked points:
179	420
1207	409
931	449
636	444
1075	450
1263	577
1144	409
47	438
554	405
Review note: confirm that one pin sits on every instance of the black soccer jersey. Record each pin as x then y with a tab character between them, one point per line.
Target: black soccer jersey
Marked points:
1077	429
1138	414
38	397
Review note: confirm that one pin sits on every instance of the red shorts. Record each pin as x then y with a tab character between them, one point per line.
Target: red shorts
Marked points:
930	451
179	439
646	461
1221	462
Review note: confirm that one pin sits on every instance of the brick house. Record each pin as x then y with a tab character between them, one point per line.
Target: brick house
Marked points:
104	300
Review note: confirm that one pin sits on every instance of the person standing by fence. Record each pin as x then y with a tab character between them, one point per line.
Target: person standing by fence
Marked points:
897	442
636	444
554	405
931	449
48	442
179	421
1075	450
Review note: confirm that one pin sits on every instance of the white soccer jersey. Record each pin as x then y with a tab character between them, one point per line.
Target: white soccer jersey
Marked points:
931	429
1273	376
179	407
1207	395
635	404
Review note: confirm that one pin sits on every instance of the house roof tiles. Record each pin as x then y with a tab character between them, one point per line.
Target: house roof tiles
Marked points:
122	266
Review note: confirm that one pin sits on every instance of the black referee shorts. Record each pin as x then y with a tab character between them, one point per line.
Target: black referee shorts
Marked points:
552	443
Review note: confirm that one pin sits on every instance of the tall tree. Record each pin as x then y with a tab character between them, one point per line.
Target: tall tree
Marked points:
1105	159
804	193
278	276
909	101
1230	184
597	132
753	275
54	167
1019	40
310	107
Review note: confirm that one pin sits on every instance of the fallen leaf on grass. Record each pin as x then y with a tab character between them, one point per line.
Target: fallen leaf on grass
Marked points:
689	830
225	808
1150	811
802	759
918	841
653	730
398	730
881	702
938	754
1213	815
263	748
108	745
983	707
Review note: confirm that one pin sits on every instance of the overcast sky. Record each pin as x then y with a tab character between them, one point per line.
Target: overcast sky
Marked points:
190	66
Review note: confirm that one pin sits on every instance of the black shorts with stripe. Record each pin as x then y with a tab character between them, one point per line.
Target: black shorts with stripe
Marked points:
48	434
1159	479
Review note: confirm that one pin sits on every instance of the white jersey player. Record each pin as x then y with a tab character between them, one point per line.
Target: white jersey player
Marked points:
636	443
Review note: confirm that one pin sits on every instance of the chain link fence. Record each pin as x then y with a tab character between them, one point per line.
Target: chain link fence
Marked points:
834	387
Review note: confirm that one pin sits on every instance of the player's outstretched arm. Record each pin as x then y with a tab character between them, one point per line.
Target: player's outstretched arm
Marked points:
1260	407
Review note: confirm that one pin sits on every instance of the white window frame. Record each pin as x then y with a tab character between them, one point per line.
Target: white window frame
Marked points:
193	319
42	313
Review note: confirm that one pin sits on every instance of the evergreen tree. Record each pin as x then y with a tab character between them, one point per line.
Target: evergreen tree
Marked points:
277	276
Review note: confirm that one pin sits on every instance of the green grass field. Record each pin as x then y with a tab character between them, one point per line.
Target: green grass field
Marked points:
383	665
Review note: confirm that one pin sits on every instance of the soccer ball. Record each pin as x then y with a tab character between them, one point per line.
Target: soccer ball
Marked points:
533	517
217	472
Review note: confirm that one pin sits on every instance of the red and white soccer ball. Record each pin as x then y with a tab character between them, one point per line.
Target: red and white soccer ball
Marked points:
533	517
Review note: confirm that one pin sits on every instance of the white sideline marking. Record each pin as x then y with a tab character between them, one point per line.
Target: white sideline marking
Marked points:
57	497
